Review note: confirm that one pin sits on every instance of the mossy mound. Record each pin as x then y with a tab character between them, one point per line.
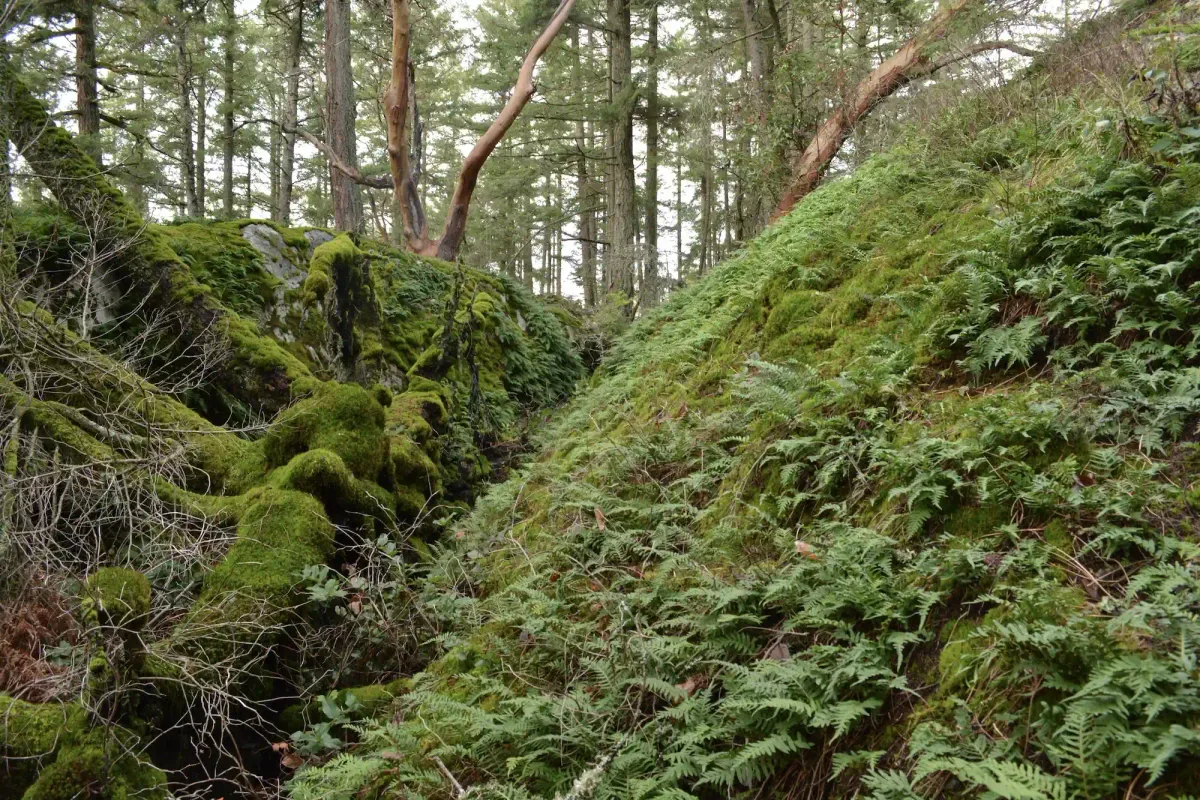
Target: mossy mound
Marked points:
896	503
121	597
343	418
52	751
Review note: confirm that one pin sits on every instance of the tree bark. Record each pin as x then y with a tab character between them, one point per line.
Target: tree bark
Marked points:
754	53
583	188
650	287
183	71
201	142
340	115
456	219
87	98
291	103
396	102
621	216
228	106
910	61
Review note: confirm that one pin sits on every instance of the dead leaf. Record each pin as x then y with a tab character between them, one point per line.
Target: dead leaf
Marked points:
355	606
601	520
805	549
292	761
778	652
693	684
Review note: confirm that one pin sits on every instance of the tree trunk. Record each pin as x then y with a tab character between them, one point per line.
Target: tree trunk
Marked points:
276	146
456	218
340	115
583	188
679	211
87	98
395	104
136	179
650	287
183	71
227	121
201	142
910	61
621	215
287	165
754	53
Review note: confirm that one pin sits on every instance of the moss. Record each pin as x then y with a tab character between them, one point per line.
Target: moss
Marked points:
103	770
280	533
220	257
324	475
421	410
30	736
372	699
338	251
121	597
30	730
345	419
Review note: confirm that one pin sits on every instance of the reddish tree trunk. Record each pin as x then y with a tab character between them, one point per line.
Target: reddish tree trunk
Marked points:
907	63
456	219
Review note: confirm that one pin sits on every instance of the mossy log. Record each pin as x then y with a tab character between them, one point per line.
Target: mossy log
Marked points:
258	371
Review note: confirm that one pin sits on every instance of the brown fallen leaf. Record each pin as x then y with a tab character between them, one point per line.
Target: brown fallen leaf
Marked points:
805	549
292	761
693	684
601	520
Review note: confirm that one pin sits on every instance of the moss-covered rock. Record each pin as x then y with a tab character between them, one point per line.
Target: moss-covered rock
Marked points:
345	419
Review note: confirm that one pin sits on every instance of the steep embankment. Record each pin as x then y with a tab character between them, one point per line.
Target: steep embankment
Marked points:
898	502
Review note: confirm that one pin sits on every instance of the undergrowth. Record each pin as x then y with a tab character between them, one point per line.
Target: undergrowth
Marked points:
897	503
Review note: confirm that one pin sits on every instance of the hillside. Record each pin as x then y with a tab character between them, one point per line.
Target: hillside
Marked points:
898	502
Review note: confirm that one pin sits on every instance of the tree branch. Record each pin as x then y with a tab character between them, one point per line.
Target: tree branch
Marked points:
468	176
976	49
374	182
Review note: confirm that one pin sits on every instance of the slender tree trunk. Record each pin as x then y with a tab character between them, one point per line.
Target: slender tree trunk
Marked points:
137	180
340	114
291	104
87	98
705	220
201	142
276	146
679	211
587	216
227	72
622	225
650	287
184	87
